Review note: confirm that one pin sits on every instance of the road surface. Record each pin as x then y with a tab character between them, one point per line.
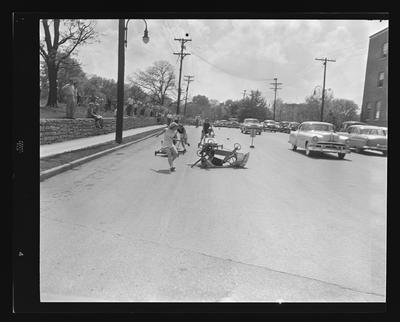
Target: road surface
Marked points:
286	228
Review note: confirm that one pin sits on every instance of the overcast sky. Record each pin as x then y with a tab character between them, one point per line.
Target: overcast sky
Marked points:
229	56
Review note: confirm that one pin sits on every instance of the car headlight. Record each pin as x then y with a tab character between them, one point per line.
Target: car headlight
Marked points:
315	138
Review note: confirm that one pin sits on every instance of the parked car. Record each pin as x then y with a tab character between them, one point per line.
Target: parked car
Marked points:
234	124
293	126
270	125
284	127
319	136
367	137
249	124
222	123
347	124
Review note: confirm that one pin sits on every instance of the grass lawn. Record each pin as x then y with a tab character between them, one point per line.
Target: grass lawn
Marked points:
59	112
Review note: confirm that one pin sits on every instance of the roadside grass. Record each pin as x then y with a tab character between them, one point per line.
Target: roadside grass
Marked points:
64	158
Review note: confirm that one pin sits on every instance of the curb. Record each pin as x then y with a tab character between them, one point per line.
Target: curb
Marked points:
62	168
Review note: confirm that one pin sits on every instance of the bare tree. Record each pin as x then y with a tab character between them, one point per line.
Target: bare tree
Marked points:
156	80
57	47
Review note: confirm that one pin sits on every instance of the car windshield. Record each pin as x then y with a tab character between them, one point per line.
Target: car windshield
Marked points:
317	127
381	132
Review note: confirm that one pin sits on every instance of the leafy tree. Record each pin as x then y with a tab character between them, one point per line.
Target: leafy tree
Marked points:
57	47
156	81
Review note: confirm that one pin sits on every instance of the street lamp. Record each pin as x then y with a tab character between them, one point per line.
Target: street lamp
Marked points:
122	40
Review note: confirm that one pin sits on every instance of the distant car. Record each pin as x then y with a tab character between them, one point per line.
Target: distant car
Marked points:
234	124
221	123
367	137
270	125
293	126
249	124
284	127
347	124
319	136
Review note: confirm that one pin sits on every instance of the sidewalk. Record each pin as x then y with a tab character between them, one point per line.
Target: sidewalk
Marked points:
47	150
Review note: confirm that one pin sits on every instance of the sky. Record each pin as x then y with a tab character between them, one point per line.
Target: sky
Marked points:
230	56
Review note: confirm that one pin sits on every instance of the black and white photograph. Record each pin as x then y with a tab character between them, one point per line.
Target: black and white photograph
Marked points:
212	159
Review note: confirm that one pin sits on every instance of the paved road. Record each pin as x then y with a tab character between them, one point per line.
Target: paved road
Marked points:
286	228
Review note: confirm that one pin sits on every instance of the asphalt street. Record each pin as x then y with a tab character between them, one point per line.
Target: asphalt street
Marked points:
286	228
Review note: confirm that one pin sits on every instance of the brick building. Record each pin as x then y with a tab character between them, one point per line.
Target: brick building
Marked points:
375	101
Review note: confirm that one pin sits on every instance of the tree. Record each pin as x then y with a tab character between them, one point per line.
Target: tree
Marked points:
57	47
253	106
342	110
156	81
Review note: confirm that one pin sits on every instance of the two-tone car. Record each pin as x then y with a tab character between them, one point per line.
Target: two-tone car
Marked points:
368	137
321	137
249	124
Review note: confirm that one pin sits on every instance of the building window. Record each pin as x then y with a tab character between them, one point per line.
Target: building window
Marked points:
378	110
381	78
368	111
385	49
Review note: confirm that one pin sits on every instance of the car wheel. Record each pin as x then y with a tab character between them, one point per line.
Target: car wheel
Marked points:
294	147
308	151
384	153
341	155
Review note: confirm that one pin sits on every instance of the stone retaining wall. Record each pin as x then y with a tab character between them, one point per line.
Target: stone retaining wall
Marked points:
58	130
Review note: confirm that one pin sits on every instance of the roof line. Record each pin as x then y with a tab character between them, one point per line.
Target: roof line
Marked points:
377	33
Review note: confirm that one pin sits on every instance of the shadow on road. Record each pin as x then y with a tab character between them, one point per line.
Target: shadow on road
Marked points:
162	171
371	153
321	156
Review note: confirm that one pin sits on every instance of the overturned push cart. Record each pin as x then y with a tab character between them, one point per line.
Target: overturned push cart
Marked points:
212	156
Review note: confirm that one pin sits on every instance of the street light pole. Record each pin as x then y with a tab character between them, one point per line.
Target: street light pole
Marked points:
122	43
120	82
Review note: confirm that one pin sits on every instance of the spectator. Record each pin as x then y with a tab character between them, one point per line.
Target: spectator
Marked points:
135	109
169	118
92	112
108	104
70	93
183	136
129	107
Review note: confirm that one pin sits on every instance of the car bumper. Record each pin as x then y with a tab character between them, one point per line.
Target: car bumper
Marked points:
376	148
329	148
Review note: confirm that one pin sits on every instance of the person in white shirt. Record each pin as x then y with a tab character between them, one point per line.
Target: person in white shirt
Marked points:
168	145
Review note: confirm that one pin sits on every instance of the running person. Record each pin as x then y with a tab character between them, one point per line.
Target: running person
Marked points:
168	145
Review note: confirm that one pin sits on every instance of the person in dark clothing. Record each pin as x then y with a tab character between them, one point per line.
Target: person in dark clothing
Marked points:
92	112
183	136
207	130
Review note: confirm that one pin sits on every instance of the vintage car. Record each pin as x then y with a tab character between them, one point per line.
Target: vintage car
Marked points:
293	126
347	124
234	124
319	136
284	127
367	137
249	124
270	125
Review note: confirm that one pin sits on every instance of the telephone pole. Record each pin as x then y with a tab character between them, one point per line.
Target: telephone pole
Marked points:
325	60
182	55
275	88
188	79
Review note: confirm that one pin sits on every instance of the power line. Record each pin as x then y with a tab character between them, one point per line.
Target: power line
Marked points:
325	60
275	89
188	79
181	55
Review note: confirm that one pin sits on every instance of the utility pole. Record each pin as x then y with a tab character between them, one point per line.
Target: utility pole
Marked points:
275	84
325	60
120	82
244	93
188	79
181	55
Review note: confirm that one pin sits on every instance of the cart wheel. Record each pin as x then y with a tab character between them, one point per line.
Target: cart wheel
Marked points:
237	146
200	153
